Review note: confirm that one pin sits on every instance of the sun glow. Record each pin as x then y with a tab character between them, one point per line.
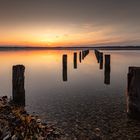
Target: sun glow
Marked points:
85	35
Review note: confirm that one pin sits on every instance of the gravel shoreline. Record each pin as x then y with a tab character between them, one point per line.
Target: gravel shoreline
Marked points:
110	123
17	124
78	117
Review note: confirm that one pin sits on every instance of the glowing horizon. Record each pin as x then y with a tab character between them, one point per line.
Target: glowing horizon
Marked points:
84	35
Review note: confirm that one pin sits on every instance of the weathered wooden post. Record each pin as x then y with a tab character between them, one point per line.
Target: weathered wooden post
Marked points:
64	63
107	70
86	52
75	60
83	54
97	54
80	56
133	92
18	90
101	60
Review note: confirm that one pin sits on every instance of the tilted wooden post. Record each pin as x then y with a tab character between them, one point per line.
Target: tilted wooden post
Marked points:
97	54
75	60
133	92
87	52
83	54
107	70
18	90
64	63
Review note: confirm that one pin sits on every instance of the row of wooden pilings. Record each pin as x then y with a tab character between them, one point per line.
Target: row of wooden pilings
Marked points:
133	86
18	91
82	55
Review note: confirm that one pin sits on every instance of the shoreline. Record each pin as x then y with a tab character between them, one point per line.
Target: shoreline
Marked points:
16	123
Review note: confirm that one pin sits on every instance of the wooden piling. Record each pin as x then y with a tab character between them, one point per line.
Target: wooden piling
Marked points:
133	92
107	70
97	54
80	56
64	63
101	60
75	60
18	90
85	53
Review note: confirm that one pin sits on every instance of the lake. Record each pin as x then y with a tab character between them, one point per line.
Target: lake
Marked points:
80	98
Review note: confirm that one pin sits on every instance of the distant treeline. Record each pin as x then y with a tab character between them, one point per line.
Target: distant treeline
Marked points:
7	48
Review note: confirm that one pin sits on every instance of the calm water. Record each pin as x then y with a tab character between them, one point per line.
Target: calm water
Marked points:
84	100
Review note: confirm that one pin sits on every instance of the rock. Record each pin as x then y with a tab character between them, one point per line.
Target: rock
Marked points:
97	134
97	131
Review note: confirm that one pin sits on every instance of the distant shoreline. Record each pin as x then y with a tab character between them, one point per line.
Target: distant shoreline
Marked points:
71	48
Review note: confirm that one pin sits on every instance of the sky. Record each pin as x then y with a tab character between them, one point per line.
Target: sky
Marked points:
69	22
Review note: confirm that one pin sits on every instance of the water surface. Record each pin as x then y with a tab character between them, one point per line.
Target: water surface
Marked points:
84	100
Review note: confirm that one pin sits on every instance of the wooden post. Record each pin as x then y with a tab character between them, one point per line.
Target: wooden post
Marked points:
80	57
101	60
97	54
64	63
86	52
75	60
107	70
18	90
133	92
83	55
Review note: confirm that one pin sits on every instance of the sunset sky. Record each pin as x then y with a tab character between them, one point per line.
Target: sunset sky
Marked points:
69	22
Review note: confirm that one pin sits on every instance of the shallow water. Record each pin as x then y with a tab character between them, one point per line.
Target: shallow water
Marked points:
81	103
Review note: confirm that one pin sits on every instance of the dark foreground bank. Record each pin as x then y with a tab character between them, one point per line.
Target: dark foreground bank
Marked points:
17	124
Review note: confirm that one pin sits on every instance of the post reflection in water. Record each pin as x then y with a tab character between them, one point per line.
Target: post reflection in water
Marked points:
18	85
64	63
107	70
75	60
